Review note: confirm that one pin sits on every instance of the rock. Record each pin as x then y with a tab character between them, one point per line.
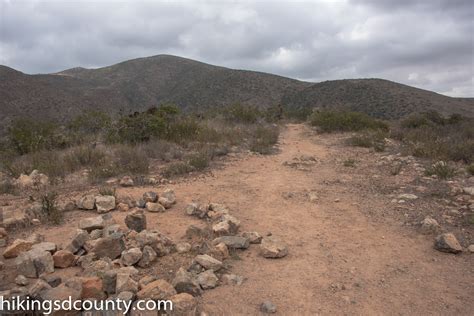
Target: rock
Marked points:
96	234
161	244
145	281
3	242
253	237
3	232
110	247
183	304
183	247
111	230
273	247
167	198
207	280
150	197
87	202
220	251
63	259
45	246
447	243
154	207
429	225
313	197
131	256
78	241
109	282
184	282
468	190
221	228
140	203
18	246
126	296
208	262
104	203
149	255
35	222
125	283
136	220
92	223
52	280
407	196
126	181
234	242
33	263
268	307
69	290
2	265
192	209
122	207
92	288
471	248
67	206
38	288
232	279
157	290
21	280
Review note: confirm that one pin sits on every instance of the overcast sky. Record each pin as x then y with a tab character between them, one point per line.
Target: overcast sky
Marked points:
425	43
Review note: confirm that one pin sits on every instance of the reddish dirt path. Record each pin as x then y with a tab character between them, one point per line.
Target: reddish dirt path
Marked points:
341	261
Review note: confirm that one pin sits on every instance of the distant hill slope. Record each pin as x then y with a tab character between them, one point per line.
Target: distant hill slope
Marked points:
137	84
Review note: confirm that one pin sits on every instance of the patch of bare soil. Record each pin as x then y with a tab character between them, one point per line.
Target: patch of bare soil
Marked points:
354	246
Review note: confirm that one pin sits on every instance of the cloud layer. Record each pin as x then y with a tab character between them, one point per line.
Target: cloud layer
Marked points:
427	44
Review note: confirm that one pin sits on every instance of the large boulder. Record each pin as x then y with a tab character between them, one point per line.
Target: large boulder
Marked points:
18	246
136	220
104	203
92	288
63	259
167	198
35	262
78	241
87	202
273	247
184	282
157	290
45	246
92	223
110	247
447	243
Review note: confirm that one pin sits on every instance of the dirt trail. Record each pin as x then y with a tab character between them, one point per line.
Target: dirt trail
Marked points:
341	260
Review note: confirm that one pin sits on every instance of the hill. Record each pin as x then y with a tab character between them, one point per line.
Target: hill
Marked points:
137	84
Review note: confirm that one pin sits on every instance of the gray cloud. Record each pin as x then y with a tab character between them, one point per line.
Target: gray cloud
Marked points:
427	44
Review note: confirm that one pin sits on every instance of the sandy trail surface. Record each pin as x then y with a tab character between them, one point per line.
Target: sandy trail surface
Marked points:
341	260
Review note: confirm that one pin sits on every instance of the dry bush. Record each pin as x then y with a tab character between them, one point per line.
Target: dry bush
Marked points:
369	139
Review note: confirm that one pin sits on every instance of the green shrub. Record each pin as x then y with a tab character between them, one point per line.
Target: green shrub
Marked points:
339	121
26	136
90	122
263	139
176	169
49	208
183	130
441	169
369	139
137	128
239	113
200	161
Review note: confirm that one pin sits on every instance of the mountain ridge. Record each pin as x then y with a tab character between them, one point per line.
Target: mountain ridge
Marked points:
137	84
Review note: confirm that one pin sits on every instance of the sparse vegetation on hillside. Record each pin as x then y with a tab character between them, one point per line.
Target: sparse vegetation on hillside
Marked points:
109	148
431	135
340	121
